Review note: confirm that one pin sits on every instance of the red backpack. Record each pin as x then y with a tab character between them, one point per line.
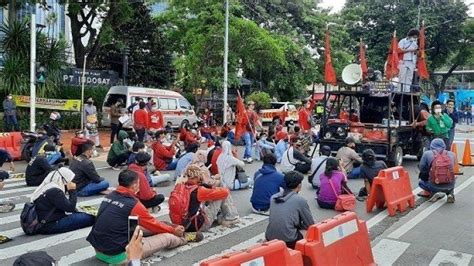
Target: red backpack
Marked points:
179	202
442	170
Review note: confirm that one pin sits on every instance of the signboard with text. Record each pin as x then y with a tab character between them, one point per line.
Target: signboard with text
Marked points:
45	103
73	76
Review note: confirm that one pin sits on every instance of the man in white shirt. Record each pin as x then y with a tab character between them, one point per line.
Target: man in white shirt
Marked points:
318	165
407	65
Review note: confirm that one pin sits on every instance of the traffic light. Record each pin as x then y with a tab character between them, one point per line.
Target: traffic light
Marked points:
41	75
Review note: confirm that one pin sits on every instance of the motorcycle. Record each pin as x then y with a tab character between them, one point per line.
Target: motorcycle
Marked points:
27	144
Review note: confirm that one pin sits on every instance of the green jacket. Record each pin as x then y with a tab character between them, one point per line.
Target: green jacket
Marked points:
439	127
119	147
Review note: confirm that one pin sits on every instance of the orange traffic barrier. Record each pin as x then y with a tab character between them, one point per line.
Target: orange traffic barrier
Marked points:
342	240
467	157
12	143
454	149
273	253
391	188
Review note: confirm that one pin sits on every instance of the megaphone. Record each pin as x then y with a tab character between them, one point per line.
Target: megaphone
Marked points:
352	74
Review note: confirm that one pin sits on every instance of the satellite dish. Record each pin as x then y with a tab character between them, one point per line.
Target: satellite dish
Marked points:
352	74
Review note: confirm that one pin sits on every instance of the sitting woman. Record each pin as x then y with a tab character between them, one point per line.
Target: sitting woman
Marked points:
369	169
227	165
52	204
333	182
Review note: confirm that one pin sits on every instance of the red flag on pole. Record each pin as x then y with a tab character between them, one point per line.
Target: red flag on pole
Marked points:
363	59
329	73
392	60
421	63
241	118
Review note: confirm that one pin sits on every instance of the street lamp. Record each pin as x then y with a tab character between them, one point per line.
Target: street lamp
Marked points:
226	56
33	68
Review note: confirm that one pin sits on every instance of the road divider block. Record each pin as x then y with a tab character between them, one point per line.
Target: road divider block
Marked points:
11	142
391	188
341	240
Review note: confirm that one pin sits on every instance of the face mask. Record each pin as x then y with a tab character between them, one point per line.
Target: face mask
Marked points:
437	110
80	136
154	109
89	103
9	97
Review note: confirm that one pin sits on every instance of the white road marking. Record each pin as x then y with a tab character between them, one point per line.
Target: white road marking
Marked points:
387	251
17	190
13	180
79	255
18	184
448	257
426	212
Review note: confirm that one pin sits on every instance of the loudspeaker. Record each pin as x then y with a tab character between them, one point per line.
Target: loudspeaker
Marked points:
352	74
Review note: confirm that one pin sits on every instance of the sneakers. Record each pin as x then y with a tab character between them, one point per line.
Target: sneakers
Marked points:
193	236
361	198
6	207
229	223
436	197
266	213
116	168
451	198
248	160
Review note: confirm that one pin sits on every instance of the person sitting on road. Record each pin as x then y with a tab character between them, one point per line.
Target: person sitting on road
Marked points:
289	212
268	182
294	158
153	178
318	165
369	169
163	156
185	159
205	202
37	169
439	124
5	206
77	142
333	182
137	147
51	204
430	188
86	177
119	152
6	157
349	158
212	157
53	156
109	237
281	146
147	195
263	146
227	165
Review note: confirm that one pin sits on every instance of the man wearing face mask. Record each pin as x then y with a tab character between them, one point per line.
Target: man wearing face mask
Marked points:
155	118
115	114
305	115
9	109
407	65
91	122
439	124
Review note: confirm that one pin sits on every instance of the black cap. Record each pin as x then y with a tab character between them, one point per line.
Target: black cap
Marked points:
325	149
49	147
349	140
142	158
34	258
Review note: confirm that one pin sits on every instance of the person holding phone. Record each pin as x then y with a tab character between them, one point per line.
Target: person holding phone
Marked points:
51	204
109	235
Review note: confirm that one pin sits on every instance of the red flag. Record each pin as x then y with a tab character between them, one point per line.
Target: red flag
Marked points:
329	73
283	115
241	118
392	60
421	63
363	60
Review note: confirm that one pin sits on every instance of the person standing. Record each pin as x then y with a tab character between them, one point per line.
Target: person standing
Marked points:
439	124
407	65
453	114
9	114
115	114
140	121
249	136
305	118
91	122
155	118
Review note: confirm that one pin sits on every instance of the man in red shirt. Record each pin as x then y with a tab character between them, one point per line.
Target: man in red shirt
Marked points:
305	116
155	118
147	195
163	156
140	121
77	142
249	135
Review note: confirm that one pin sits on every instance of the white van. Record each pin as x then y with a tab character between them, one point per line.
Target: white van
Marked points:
174	106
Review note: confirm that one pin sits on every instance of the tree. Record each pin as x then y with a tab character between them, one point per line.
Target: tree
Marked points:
375	22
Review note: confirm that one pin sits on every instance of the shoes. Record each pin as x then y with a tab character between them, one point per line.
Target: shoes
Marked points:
424	194
229	223
193	236
451	198
6	207
361	198
99	147
248	160
436	197
116	168
156	209
266	213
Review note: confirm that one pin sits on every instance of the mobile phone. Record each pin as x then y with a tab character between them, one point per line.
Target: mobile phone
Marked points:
132	224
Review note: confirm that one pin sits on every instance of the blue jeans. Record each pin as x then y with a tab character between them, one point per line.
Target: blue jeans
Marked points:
10	120
355	173
172	165
248	145
74	221
433	188
93	189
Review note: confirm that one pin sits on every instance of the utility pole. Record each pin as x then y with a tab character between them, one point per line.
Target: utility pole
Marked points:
32	68
83	80
125	53
226	56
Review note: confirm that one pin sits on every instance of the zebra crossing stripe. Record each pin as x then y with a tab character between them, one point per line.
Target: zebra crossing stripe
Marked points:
387	251
79	255
17	190
448	257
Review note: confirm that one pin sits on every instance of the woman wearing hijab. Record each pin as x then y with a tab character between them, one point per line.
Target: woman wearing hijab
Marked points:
51	204
227	165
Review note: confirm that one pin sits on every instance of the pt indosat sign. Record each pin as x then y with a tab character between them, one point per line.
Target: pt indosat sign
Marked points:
73	76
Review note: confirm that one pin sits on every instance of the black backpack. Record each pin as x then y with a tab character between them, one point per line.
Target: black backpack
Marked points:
29	219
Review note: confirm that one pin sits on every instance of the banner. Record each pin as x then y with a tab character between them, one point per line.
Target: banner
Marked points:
73	76
45	103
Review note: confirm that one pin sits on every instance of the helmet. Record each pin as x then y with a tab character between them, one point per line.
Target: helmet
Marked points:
55	116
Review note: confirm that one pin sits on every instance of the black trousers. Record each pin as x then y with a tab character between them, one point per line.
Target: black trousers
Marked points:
303	167
115	130
155	201
140	134
118	160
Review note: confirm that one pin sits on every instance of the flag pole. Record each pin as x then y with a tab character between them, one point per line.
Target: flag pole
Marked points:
246	115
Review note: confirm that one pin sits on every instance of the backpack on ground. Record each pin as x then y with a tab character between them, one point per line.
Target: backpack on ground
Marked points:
442	170
29	220
179	202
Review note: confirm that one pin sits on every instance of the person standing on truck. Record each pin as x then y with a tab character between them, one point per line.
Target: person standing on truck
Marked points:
407	65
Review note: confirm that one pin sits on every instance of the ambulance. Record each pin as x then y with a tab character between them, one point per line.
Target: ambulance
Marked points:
276	110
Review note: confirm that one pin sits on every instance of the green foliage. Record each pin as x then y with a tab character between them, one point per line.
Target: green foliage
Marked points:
262	99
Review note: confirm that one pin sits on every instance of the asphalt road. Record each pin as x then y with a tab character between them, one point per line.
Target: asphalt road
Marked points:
447	228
